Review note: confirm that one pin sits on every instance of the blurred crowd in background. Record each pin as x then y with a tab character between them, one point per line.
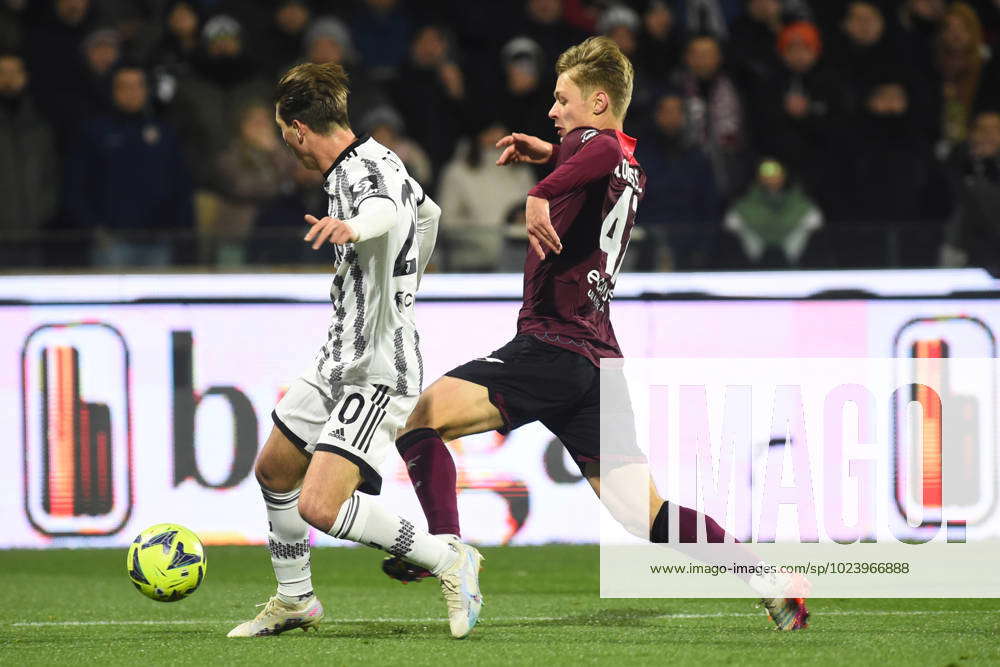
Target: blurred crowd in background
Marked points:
774	133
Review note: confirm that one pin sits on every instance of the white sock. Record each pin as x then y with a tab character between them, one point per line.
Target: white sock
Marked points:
362	519
288	541
768	584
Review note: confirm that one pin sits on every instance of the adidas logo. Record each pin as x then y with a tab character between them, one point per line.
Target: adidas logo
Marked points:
338	433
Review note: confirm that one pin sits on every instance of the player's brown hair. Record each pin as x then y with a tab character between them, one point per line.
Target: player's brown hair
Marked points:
598	64
315	95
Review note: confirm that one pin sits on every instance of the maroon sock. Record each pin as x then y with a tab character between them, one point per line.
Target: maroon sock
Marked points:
734	553
432	471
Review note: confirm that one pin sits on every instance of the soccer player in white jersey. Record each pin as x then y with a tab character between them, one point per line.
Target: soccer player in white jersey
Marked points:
334	426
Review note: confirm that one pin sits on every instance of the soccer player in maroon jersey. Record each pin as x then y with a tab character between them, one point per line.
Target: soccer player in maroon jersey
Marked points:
579	219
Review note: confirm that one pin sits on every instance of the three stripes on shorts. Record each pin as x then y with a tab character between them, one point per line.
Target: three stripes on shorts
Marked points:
376	413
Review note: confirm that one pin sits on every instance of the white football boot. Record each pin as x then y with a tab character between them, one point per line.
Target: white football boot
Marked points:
278	616
460	588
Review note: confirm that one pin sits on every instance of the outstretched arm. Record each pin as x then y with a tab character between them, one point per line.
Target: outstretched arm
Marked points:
519	147
376	216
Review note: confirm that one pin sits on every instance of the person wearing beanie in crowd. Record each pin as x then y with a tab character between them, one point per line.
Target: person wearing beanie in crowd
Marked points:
621	24
799	117
523	102
328	40
774	221
222	81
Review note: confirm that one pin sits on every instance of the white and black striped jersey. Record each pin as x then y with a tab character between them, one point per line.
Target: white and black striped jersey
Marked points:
373	336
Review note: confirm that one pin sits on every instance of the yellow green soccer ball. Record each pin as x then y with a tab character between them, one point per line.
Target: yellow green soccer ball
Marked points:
166	562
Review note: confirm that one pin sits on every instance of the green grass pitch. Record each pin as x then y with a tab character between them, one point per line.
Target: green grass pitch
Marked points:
542	607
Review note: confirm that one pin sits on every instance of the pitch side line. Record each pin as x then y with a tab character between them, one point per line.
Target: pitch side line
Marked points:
500	619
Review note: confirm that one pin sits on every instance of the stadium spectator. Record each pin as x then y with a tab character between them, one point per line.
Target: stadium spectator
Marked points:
799	117
962	58
137	24
660	42
974	230
12	24
329	41
29	168
430	93
179	45
681	208
919	21
862	46
753	44
891	175
622	25
126	181
223	80
475	196
59	77
544	22
774	221
102	49
387	127
254	170
382	31
707	17
524	103
581	15
283	38
989	15
714	111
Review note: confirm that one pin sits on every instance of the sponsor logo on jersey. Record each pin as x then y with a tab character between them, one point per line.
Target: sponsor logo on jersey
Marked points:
363	187
404	300
587	136
77	438
338	433
602	289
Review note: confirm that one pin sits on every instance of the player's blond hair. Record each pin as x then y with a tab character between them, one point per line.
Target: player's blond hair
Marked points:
315	95
598	64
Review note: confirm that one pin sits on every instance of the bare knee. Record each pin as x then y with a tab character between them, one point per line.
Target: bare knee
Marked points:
319	508
454	408
280	465
274	477
421	415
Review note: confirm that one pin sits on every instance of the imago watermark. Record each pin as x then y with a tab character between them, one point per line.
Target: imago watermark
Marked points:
840	477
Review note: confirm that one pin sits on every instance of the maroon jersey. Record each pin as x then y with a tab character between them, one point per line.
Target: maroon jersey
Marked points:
593	193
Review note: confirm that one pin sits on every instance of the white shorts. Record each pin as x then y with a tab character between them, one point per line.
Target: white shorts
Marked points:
359	423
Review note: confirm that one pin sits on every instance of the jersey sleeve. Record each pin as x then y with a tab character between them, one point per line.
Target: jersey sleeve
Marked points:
377	218
595	159
365	180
